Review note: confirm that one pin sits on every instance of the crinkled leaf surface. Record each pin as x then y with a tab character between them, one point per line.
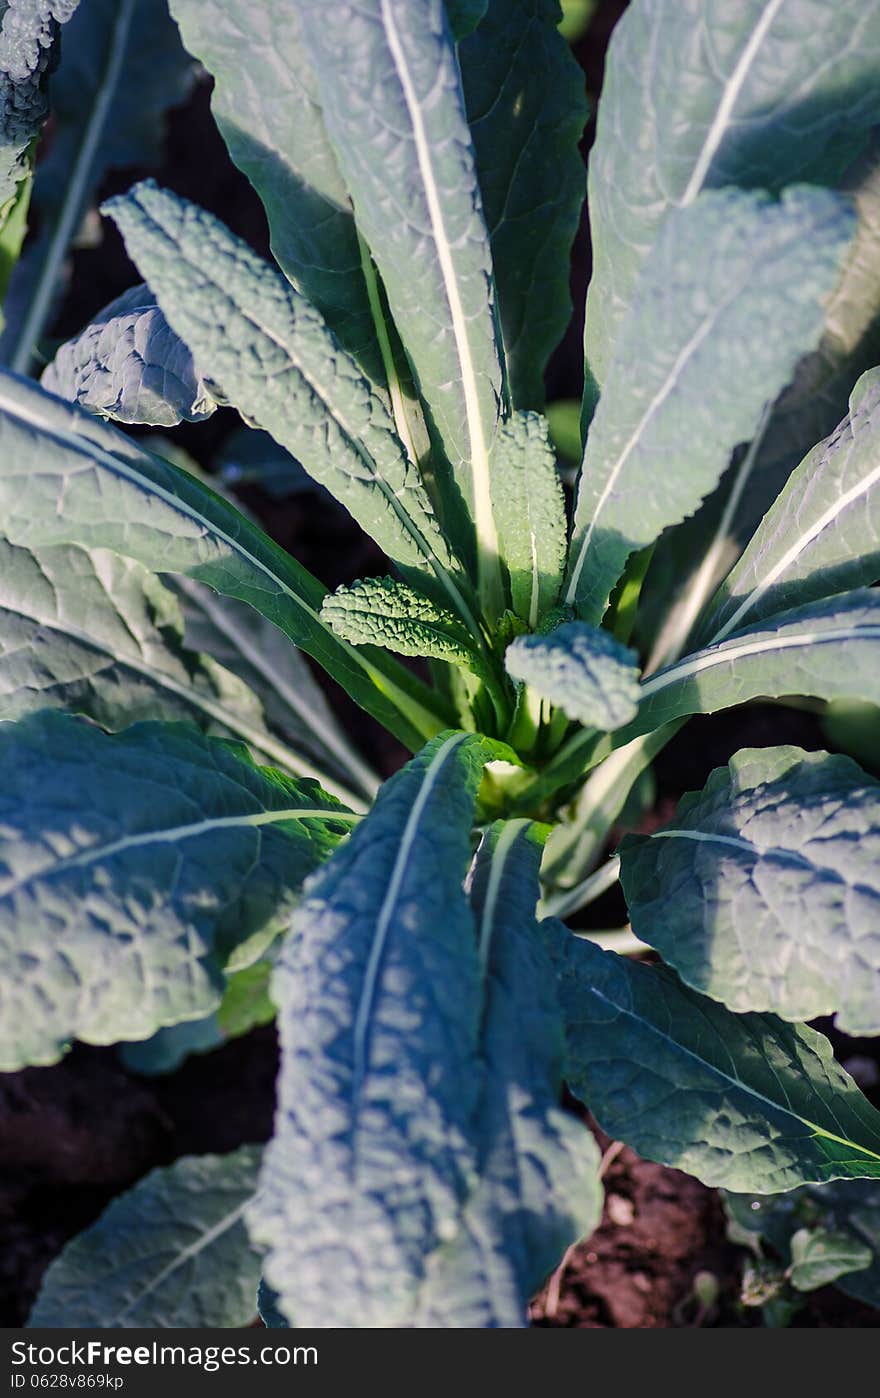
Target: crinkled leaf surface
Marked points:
539	1188
133	867
743	1101
265	102
698	95
763	891
276	361
822	535
129	365
391	93
529	512
527	109
124	66
729	300
380	1001
582	669
29	32
173	1252
385	612
66	478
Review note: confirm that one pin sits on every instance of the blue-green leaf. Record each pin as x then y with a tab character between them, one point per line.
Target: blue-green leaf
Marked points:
390	90
96	634
828	650
760	94
123	67
172	1252
136	867
29	42
743	1101
539	1188
274	359
380	1003
265	102
277	673
529	514
763	891
729	300
389	613
129	365
581	669
822	535
66	478
527	108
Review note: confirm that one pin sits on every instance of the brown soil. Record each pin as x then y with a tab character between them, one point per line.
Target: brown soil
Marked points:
75	1135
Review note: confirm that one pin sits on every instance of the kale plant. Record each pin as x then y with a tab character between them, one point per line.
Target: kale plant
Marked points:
189	839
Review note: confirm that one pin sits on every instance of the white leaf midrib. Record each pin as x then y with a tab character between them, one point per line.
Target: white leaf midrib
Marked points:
731	651
729	96
91	451
193	697
791	555
784	1108
205	1240
379	940
484	518
660	397
497	869
173	834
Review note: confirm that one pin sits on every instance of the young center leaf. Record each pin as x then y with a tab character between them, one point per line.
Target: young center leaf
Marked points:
539	1186
747	1102
129	365
529	509
96	634
385	612
526	107
380	1001
134	866
763	891
123	67
265	103
822	535
391	93
762	96
66	478
581	669
173	1252
729	300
